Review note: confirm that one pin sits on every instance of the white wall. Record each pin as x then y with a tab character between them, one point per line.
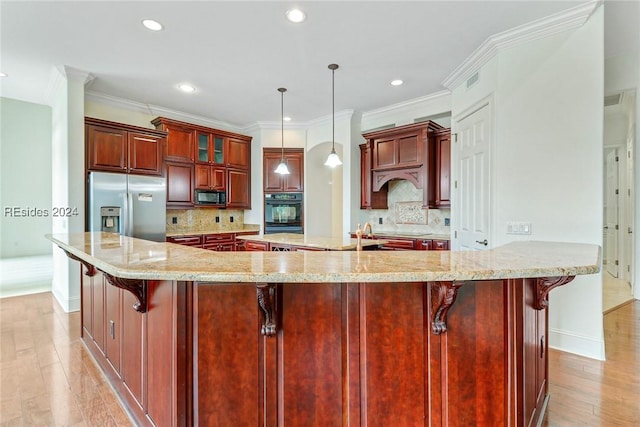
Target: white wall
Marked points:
25	174
547	160
68	178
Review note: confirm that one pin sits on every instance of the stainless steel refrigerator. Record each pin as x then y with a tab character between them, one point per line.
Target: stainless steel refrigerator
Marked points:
132	205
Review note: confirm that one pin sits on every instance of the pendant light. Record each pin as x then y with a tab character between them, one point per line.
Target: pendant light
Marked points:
333	160
282	168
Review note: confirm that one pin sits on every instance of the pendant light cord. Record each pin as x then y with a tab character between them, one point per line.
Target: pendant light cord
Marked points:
282	91
333	68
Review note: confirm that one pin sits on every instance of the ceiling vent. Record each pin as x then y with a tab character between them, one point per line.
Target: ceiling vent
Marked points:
612	100
473	79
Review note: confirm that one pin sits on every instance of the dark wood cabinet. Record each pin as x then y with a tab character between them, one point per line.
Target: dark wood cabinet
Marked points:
117	147
180	140
238	188
407	243
219	160
440	180
180	191
113	326
399	244
370	199
252	245
276	183
405	153
210	177
214	242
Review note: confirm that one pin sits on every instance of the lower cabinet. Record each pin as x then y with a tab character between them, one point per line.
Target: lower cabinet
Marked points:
325	354
226	242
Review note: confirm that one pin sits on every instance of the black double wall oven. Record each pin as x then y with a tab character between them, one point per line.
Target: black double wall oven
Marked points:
283	213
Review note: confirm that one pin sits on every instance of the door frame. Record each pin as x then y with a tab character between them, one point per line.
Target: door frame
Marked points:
488	102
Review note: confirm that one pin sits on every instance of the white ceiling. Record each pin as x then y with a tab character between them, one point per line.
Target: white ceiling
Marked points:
237	53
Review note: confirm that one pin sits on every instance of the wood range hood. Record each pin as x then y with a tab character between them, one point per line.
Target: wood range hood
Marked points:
404	153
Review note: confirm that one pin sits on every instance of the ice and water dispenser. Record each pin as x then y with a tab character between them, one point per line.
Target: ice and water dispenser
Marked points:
110	219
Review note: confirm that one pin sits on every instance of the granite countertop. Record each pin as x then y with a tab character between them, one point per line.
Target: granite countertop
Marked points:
329	243
191	232
132	258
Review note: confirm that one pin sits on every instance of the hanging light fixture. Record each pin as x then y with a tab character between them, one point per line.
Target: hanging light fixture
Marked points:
282	168
333	160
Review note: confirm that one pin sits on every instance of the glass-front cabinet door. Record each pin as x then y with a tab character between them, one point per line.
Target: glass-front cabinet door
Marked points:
210	148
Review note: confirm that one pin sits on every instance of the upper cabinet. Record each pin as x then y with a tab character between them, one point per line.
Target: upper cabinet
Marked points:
116	147
220	160
276	183
440	156
404	152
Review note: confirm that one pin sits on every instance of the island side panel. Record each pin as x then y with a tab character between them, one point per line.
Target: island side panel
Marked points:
475	356
227	386
310	355
393	359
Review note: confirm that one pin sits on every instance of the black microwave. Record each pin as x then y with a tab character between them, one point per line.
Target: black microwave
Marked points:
211	198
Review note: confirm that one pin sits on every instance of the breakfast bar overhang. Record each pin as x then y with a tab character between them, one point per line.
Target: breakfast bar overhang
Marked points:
331	338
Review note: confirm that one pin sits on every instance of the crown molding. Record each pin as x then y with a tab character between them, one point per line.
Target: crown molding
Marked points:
264	125
406	105
557	23
154	110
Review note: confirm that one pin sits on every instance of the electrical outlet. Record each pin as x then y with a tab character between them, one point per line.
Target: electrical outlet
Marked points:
447	222
380	220
517	227
230	219
217	219
174	220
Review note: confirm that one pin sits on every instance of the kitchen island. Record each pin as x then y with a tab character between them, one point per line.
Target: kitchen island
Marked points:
193	337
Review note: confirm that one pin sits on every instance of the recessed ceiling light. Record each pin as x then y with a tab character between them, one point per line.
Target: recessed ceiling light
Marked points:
295	15
3	74
152	25
396	82
185	87
286	119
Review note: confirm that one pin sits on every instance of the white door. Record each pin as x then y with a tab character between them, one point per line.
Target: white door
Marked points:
611	213
473	149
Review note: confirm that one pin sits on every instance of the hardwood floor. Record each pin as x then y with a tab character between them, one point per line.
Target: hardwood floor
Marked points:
48	378
615	292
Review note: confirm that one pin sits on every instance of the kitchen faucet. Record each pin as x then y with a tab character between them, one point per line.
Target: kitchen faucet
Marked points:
359	232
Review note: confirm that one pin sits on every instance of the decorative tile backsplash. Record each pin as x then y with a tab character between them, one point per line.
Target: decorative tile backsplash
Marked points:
190	220
405	213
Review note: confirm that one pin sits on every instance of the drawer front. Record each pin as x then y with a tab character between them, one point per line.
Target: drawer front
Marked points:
218	238
440	245
399	244
186	240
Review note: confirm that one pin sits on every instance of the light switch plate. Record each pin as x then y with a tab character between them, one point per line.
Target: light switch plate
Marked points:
518	227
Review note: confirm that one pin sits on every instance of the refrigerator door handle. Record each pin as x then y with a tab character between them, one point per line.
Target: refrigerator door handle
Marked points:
129	215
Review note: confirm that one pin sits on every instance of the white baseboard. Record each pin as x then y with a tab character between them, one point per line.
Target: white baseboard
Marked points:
67	304
576	344
25	275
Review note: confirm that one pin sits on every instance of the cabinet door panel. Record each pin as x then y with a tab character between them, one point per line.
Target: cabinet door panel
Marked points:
218	178
238	187
393	339
444	176
180	144
294	182
384	153
237	153
227	342
87	302
179	184
201	176
107	148
112	324
98	310
310	362
272	180
145	154
131	366
409	150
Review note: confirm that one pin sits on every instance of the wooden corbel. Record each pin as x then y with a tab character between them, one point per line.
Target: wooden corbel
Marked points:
267	302
137	287
91	270
544	286
443	295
